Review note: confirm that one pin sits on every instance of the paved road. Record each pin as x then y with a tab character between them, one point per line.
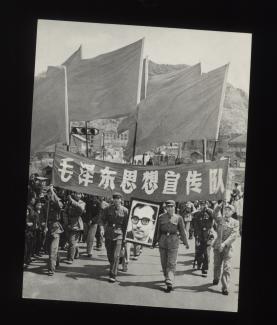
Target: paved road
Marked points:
87	280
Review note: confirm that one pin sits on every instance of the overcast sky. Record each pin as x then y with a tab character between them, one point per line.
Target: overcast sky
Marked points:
57	40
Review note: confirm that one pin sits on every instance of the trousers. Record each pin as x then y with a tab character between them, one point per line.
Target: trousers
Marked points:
73	249
53	251
90	237
202	255
99	236
169	261
28	248
38	241
113	248
225	258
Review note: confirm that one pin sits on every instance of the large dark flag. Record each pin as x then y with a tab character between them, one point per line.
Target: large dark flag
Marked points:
48	116
182	112
161	90
105	86
74	58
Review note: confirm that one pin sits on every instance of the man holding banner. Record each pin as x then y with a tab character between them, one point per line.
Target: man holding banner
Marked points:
227	232
74	210
51	213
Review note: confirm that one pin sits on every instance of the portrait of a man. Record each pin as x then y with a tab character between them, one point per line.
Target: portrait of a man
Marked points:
142	222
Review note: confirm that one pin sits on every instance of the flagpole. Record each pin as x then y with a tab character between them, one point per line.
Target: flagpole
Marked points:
204	150
86	137
135	137
214	149
66	109
139	95
222	100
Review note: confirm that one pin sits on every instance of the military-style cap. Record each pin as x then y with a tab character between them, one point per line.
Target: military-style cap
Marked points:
170	202
117	195
229	206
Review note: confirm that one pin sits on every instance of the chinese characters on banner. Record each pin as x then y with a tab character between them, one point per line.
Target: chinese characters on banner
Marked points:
206	181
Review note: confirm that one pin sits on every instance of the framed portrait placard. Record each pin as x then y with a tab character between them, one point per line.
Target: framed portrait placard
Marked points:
142	222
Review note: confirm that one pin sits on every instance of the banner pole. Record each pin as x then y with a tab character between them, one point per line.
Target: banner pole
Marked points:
66	109
138	96
86	137
52	174
135	137
214	149
204	149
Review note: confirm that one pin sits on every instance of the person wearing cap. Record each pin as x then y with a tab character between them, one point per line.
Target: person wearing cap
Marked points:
204	234
74	209
236	193
100	229
51	216
227	232
168	226
114	219
187	210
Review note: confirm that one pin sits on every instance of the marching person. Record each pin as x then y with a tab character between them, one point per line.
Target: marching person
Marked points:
93	209
74	209
238	210
227	232
38	231
31	229
28	238
204	235
51	216
168	226
114	219
186	212
100	229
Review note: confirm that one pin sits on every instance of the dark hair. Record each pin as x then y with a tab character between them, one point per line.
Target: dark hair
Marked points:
141	205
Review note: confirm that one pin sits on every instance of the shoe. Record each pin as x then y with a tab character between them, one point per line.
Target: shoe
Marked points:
225	292
125	268
168	288
215	282
204	273
89	255
69	262
111	280
135	258
50	273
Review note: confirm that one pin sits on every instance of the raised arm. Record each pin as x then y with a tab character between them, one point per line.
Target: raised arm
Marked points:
54	197
217	215
80	205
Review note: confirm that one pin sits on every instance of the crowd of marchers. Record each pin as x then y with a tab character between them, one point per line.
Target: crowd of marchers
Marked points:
59	219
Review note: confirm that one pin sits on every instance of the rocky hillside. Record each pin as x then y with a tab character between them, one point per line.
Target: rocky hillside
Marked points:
235	111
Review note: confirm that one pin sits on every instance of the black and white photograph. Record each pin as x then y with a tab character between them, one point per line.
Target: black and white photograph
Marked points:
142	222
137	165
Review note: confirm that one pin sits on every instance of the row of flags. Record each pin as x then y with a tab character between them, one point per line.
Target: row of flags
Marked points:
159	105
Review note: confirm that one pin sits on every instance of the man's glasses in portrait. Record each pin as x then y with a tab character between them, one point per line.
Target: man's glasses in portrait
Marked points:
144	221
